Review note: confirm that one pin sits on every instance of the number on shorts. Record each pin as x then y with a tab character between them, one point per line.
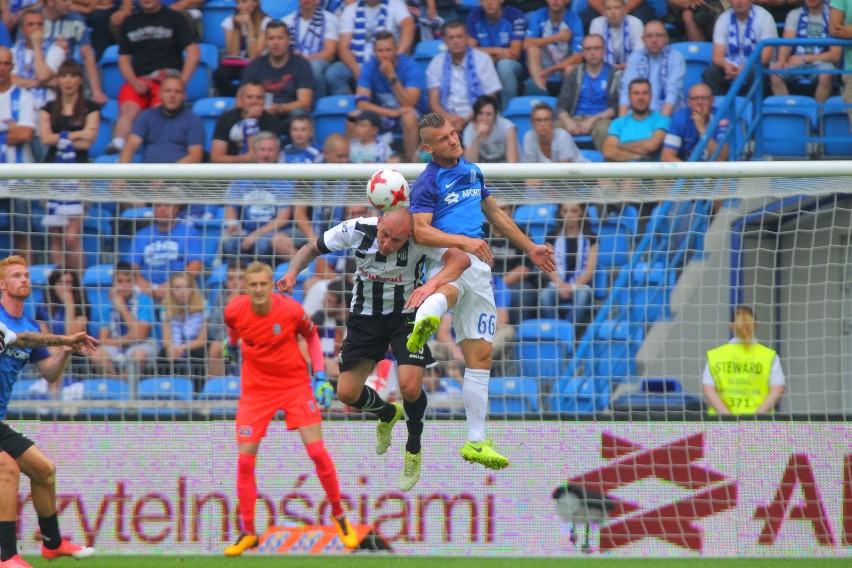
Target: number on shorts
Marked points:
487	323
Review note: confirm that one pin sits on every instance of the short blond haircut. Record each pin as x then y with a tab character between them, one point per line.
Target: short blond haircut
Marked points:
258	266
10	260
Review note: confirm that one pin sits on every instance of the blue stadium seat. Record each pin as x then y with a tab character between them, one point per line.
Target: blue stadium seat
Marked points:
212	14
576	395
614	246
698	55
109	114
518	111
104	389
165	389
39	273
21	391
512	395
97	282
201	82
613	350
221	389
111	78
209	109
426	50
660	394
592	155
536	220
835	124
279	8
787	121
544	348
648	296
330	115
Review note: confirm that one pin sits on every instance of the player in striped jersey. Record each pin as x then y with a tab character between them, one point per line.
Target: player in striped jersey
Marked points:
385	293
449	202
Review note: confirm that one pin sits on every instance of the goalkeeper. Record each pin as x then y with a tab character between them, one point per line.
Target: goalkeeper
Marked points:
385	293
274	377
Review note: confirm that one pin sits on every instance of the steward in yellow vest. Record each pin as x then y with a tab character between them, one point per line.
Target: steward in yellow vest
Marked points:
743	376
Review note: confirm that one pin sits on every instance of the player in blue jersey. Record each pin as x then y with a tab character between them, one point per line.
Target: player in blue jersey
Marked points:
23	344
449	201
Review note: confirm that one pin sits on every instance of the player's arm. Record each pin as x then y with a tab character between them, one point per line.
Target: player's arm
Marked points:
426	234
301	260
455	263
540	255
32	339
53	368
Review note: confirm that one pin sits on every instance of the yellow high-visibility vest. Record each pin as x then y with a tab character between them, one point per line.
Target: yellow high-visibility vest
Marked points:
741	375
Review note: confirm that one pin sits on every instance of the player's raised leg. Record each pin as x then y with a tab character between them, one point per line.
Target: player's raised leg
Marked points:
42	473
428	316
352	391
327	473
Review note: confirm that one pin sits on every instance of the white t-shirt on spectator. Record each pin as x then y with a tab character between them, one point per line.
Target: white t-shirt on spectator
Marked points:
25	116
458	101
764	27
228	23
635	30
397	12
562	148
329	32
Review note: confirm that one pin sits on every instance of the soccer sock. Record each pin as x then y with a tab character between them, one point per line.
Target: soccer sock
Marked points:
50	536
371	401
247	490
475	395
327	475
414	411
434	305
8	540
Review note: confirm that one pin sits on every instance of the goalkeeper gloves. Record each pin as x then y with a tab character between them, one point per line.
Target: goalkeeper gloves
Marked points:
230	352
323	391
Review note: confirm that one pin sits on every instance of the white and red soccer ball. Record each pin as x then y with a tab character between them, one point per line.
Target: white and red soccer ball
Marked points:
387	190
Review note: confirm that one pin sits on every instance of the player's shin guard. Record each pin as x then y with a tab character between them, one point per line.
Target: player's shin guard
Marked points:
247	490
475	395
327	474
414	411
371	401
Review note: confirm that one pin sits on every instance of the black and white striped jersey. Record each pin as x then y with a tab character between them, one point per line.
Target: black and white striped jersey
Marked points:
381	284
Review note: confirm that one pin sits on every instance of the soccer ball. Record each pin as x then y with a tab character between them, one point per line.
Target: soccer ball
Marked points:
387	190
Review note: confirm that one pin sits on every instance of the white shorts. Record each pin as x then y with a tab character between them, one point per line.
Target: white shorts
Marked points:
58	213
475	314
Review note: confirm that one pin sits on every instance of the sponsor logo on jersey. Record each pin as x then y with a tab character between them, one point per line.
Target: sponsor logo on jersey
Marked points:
451	198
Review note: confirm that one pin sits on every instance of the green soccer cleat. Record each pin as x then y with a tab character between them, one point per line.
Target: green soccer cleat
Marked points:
384	430
423	330
410	471
483	453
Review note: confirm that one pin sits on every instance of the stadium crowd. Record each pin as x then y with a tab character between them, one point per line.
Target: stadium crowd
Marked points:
612	69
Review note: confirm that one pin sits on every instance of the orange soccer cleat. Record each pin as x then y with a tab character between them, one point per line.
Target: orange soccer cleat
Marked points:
67	548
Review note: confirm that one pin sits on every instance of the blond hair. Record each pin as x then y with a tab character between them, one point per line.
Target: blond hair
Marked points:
10	260
196	300
258	266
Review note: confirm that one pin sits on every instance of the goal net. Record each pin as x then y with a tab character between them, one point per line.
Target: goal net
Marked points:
602	393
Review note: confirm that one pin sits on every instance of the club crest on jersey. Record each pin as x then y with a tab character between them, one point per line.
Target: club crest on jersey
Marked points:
402	254
276	328
472	175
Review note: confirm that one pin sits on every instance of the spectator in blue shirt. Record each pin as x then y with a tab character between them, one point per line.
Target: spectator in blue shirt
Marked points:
258	221
301	149
661	65
390	85
552	44
638	135
170	133
500	33
588	100
689	126
166	246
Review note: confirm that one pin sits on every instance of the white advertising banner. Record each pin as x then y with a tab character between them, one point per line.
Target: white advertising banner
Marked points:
673	488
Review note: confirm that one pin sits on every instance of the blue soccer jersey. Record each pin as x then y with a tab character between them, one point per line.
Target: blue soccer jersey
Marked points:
453	196
13	359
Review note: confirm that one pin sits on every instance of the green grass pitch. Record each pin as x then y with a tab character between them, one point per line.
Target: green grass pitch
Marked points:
397	561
